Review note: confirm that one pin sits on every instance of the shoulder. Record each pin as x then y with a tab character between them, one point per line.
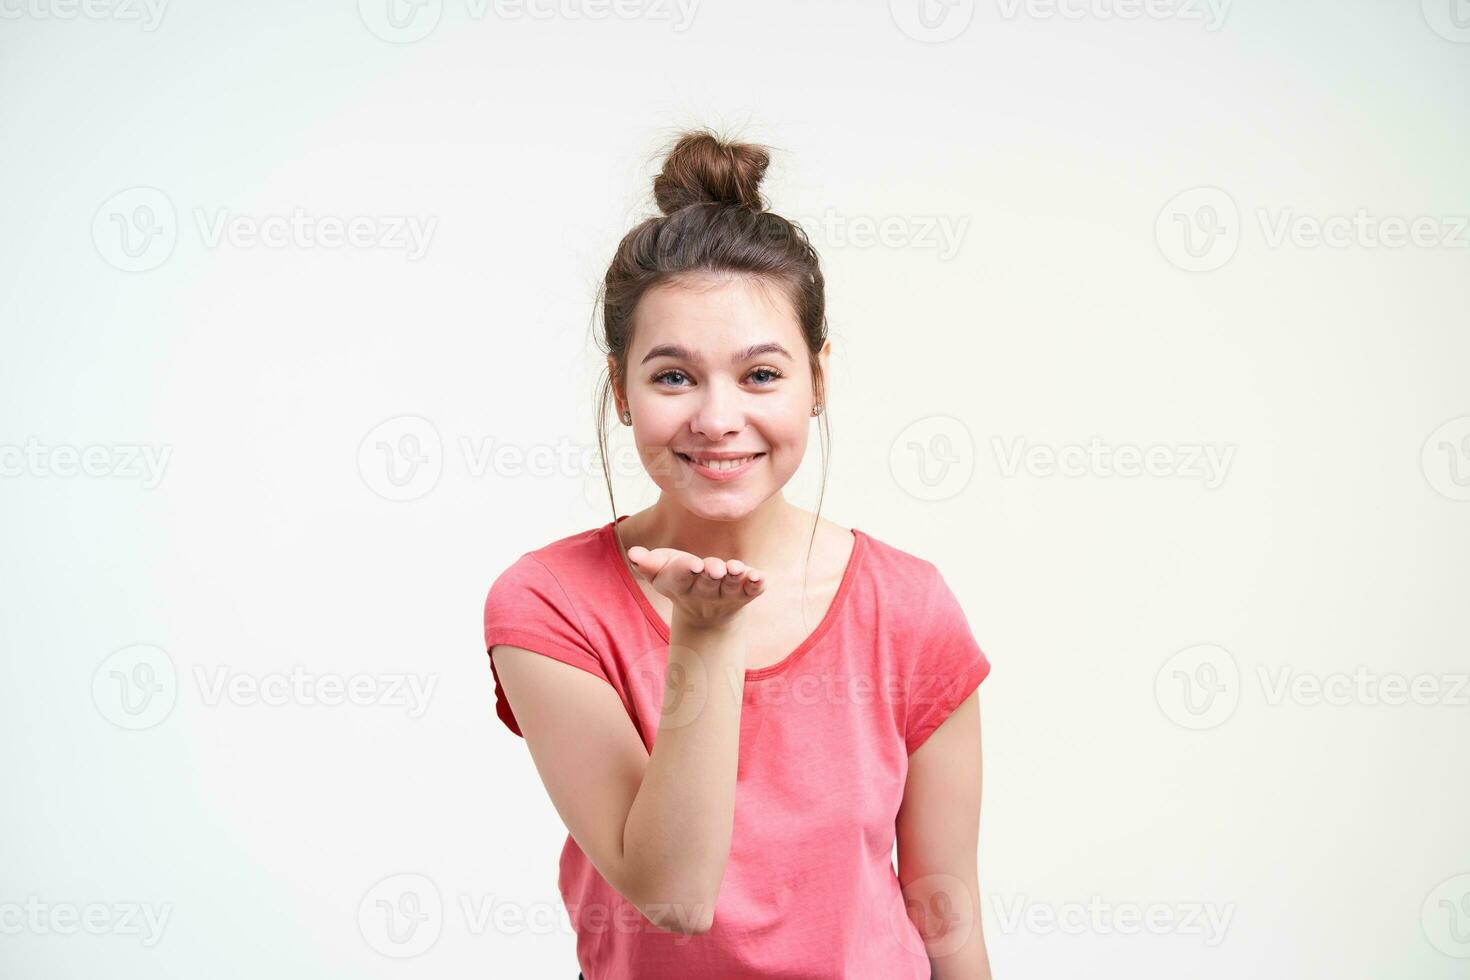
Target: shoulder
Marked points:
898	573
550	573
917	601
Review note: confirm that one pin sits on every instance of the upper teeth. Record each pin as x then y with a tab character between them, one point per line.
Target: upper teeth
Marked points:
723	464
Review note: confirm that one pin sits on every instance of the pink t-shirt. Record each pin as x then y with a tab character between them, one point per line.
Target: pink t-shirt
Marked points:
810	890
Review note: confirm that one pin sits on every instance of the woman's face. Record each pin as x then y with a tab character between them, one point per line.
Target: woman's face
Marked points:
717	367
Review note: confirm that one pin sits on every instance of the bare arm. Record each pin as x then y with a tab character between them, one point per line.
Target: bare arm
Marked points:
938	836
657	826
676	842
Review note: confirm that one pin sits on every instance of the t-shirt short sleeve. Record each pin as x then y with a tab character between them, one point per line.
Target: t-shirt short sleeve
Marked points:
947	666
528	608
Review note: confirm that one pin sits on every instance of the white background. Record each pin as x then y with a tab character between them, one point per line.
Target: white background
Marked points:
274	537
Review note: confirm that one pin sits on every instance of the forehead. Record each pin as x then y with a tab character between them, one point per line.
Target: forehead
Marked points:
714	314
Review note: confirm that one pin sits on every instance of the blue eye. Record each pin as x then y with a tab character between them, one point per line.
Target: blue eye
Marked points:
673	372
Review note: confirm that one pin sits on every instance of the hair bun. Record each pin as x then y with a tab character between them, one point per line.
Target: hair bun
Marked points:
703	169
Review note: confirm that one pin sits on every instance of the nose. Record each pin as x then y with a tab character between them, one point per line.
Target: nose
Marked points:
719	413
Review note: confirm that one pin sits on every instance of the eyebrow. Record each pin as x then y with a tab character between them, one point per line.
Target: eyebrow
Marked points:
684	354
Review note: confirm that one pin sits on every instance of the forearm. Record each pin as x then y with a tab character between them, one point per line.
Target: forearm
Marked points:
970	962
676	841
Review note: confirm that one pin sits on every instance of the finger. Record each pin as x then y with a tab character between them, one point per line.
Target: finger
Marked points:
755	582
732	585
652	563
685	572
659	556
643	564
707	584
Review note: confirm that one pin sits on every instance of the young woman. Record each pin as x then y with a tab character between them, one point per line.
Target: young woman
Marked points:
737	706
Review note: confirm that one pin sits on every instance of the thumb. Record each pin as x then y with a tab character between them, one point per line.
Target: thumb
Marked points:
653	563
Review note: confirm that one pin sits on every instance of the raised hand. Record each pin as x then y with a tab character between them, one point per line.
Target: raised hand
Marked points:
705	591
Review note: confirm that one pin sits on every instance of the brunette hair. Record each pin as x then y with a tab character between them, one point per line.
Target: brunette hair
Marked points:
713	220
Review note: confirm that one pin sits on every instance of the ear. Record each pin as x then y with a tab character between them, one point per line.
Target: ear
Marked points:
824	358
619	396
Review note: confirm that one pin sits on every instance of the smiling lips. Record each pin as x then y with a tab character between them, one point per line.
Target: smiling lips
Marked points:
719	466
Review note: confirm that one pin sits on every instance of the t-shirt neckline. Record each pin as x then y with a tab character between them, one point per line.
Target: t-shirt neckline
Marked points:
614	551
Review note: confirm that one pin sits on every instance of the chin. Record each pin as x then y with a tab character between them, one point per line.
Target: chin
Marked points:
718	507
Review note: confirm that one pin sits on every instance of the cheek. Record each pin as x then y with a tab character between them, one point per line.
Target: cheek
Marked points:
785	422
786	436
658	419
